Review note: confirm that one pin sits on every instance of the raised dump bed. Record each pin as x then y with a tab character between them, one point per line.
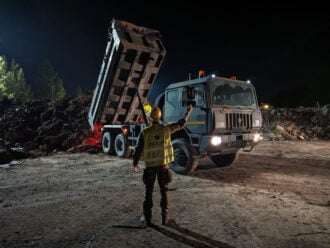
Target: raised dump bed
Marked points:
131	62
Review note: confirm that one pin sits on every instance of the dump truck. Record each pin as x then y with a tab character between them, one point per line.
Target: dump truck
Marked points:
225	120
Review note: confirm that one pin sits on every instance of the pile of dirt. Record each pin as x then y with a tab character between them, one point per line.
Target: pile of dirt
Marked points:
44	126
303	123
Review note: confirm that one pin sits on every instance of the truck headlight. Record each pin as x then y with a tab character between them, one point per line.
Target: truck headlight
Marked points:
257	137
216	140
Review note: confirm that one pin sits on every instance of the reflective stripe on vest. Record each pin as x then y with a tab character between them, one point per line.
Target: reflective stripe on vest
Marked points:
158	148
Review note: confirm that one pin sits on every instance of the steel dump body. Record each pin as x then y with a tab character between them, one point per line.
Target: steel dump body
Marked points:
131	62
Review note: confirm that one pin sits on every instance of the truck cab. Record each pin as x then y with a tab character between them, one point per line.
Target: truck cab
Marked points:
225	119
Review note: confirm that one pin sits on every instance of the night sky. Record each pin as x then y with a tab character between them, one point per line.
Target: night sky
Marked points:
284	49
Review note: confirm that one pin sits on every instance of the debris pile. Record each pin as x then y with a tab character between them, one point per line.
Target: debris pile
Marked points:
297	123
43	126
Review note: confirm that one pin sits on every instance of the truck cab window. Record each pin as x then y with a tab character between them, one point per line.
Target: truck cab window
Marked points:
225	93
199	96
173	109
173	98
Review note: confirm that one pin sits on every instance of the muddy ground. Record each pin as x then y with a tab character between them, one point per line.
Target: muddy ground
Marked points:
276	196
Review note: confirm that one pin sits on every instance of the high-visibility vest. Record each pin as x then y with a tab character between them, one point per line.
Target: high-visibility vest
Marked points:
158	148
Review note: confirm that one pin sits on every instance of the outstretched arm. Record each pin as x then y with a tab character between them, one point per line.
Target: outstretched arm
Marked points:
182	122
188	112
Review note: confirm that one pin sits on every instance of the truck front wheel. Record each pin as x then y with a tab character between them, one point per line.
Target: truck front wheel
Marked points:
224	160
183	161
121	147
107	143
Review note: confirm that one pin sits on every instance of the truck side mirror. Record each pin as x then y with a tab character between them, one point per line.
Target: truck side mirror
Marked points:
191	93
192	102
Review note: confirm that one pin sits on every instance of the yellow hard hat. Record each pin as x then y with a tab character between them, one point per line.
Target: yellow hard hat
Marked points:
156	113
147	107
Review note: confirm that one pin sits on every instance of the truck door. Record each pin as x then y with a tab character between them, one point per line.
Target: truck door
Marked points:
197	121
176	104
173	107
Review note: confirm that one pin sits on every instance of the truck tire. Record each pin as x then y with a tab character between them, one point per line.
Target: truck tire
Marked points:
107	143
183	161
224	160
121	147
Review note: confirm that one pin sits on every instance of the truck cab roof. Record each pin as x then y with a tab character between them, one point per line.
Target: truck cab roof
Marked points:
206	79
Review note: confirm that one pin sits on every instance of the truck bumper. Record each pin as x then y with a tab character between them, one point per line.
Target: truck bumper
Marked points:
228	143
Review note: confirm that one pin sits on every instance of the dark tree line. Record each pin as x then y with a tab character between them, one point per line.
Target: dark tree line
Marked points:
13	85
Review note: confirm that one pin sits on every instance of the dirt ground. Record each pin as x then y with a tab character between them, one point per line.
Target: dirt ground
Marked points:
276	196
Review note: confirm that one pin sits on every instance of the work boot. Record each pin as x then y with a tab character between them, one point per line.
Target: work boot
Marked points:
144	221
167	221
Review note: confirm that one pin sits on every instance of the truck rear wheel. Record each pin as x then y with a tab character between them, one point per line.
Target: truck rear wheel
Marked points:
107	143
121	147
183	161
224	160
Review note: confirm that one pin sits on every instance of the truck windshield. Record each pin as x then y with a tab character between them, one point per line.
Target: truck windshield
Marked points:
232	93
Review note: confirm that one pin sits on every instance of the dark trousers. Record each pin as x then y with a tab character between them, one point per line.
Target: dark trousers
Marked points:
164	177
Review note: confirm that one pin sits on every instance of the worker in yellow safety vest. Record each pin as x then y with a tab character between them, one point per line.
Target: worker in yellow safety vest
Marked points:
154	142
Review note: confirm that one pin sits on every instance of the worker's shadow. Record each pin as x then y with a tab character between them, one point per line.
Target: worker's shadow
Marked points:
182	235
185	236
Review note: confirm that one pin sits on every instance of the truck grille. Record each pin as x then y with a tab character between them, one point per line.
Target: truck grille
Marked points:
238	121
